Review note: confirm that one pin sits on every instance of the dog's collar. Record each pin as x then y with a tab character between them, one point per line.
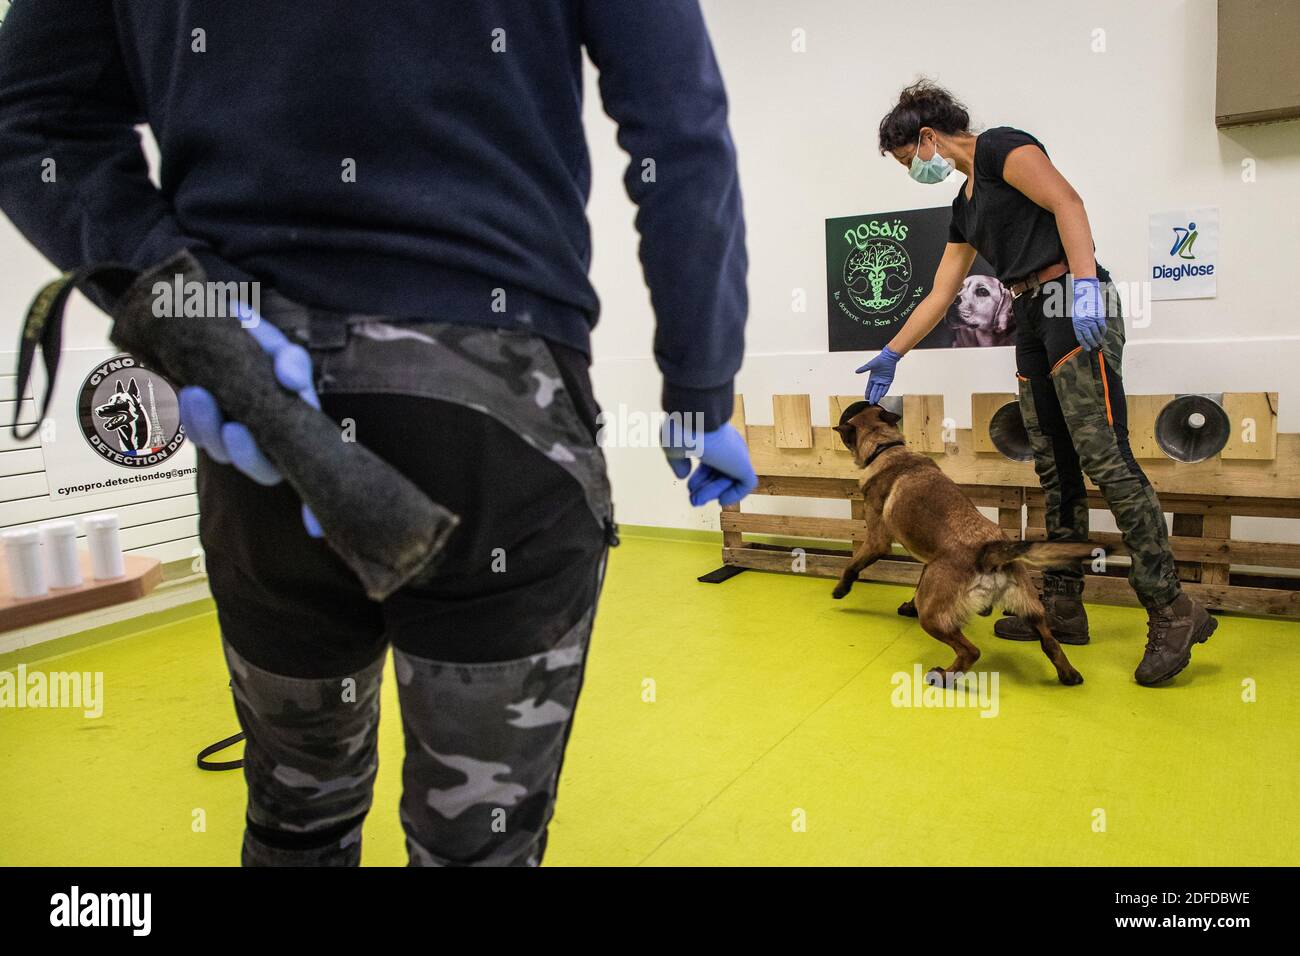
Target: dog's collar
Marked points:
881	449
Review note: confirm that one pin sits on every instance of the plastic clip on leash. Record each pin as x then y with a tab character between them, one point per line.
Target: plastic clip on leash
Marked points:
377	520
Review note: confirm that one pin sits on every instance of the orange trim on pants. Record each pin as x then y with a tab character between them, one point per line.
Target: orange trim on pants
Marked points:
1066	357
1105	389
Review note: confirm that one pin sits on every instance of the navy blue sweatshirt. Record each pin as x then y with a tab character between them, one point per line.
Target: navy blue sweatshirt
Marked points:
462	120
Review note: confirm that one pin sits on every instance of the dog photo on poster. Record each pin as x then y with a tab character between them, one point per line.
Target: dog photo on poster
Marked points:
880	266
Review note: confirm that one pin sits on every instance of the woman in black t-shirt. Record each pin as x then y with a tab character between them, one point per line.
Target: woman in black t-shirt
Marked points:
1018	212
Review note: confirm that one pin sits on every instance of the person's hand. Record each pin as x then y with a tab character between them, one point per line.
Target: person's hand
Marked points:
231	443
724	474
882	374
1089	315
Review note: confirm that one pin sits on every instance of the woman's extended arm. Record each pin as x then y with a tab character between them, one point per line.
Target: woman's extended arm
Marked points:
1029	170
952	271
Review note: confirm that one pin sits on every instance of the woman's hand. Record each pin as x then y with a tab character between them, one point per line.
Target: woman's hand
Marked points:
882	374
1089	314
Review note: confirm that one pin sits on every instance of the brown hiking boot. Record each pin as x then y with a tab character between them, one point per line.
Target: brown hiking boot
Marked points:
1066	619
1171	632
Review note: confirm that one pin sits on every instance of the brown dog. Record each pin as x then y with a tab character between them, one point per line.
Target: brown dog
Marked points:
969	564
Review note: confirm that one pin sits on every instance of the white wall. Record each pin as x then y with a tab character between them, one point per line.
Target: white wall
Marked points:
1132	128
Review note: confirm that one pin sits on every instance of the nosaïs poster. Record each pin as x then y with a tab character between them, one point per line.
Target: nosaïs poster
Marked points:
880	266
113	425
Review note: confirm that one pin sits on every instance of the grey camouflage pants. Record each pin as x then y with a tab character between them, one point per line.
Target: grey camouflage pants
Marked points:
488	655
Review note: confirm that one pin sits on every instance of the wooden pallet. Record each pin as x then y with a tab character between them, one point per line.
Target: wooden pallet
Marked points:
1249	478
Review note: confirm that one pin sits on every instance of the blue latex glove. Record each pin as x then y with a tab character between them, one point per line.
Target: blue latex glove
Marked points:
725	473
232	443
882	374
1089	315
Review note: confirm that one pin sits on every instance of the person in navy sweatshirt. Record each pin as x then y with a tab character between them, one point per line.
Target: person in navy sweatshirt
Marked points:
406	184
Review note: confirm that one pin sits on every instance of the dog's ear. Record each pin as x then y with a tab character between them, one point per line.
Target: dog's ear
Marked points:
890	418
847	434
133	388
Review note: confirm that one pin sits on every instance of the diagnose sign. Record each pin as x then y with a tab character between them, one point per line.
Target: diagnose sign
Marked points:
1183	252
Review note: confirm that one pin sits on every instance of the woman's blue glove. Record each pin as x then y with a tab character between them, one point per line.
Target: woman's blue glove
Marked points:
882	374
725	473
1089	315
232	443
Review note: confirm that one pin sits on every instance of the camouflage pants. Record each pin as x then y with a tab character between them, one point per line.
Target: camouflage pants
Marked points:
1073	404
489	654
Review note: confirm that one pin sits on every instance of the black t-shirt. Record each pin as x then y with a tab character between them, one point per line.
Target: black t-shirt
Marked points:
1015	234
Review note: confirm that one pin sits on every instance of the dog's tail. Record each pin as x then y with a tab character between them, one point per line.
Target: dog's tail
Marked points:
996	555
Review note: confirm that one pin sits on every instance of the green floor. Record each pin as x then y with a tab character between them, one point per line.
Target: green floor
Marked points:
772	738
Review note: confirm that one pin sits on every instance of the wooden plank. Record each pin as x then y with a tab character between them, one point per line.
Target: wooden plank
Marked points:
1250	600
789	486
738	416
923	422
1189	526
821	565
1142	412
1216	550
731	536
837	405
1217	527
983	406
792	421
1252	418
794	526
1245	507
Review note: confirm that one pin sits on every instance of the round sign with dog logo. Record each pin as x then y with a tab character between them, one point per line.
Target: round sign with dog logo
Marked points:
129	414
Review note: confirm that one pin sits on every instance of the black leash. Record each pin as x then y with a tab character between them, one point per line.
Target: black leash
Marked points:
205	764
43	326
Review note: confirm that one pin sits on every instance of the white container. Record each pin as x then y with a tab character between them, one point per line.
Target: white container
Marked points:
61	558
26	563
105	546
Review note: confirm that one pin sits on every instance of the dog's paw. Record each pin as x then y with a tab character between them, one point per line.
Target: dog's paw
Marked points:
907	609
986	611
938	677
839	593
1071	678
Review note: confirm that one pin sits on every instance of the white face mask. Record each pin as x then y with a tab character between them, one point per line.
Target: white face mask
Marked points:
929	171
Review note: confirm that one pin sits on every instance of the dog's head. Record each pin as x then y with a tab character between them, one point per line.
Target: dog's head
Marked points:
122	408
865	427
983	304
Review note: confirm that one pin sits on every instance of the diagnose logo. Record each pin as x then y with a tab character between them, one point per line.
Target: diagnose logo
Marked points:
1183	248
1184	239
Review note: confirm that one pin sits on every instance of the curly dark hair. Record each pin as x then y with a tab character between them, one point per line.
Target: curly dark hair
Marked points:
924	103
